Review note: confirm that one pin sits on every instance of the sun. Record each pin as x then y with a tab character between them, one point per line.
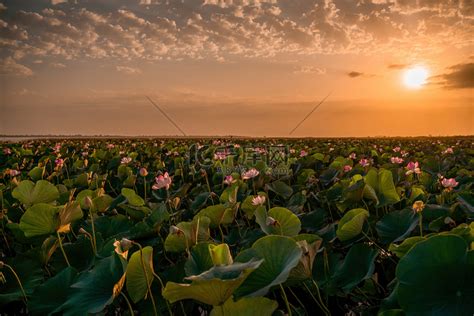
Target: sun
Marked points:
415	78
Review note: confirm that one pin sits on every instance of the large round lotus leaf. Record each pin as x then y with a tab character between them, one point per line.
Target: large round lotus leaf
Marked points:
139	273
401	249
358	265
381	183
436	277
36	173
351	224
220	254
247	306
396	225
50	295
281	254
96	288
30	193
199	259
133	198
40	219
212	287
81	197
218	214
278	221
280	188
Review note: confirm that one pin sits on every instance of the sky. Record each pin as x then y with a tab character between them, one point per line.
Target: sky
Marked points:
236	67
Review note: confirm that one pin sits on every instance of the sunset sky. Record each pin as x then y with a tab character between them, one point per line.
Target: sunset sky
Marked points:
236	67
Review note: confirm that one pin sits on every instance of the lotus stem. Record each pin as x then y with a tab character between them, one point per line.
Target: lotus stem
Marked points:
421	224
286	300
148	283
128	303
62	249
17	279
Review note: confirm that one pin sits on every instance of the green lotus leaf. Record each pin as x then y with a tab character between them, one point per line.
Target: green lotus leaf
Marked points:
220	254
188	234
49	296
396	225
358	265
351	224
218	214
40	219
212	287
30	193
247	306
81	196
139	273
36	173
280	188
401	249
95	289
132	197
199	260
102	203
278	221
281	254
436	277
380	187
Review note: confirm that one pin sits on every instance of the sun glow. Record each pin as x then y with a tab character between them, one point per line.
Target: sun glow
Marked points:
415	78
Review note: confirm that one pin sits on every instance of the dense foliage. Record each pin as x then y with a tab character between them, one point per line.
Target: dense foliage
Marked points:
237	227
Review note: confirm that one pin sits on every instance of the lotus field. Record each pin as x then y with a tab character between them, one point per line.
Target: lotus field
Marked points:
237	227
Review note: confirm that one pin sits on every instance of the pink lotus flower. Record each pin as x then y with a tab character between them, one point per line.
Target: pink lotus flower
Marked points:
110	146
13	173
143	172
396	160
125	160
252	173
57	148
292	150
162	181
413	167
353	156
364	162
236	145
347	168
448	150
85	154
396	149
59	162
404	153
331	149
258	200
229	180
449	184
303	153
7	151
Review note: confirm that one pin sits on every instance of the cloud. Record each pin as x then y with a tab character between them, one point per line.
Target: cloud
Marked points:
128	70
310	70
460	76
57	65
9	66
397	66
228	30
355	74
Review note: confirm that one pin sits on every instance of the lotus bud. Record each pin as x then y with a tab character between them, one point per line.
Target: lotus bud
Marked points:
175	202
418	206
125	244
143	172
82	231
1	264
88	202
174	230
271	221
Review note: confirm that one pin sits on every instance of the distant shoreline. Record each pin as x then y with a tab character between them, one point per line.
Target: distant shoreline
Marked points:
16	138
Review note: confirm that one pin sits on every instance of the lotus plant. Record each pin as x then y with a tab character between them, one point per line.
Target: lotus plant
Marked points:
162	181
229	180
413	168
258	200
364	162
396	160
249	174
125	160
347	168
449	184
